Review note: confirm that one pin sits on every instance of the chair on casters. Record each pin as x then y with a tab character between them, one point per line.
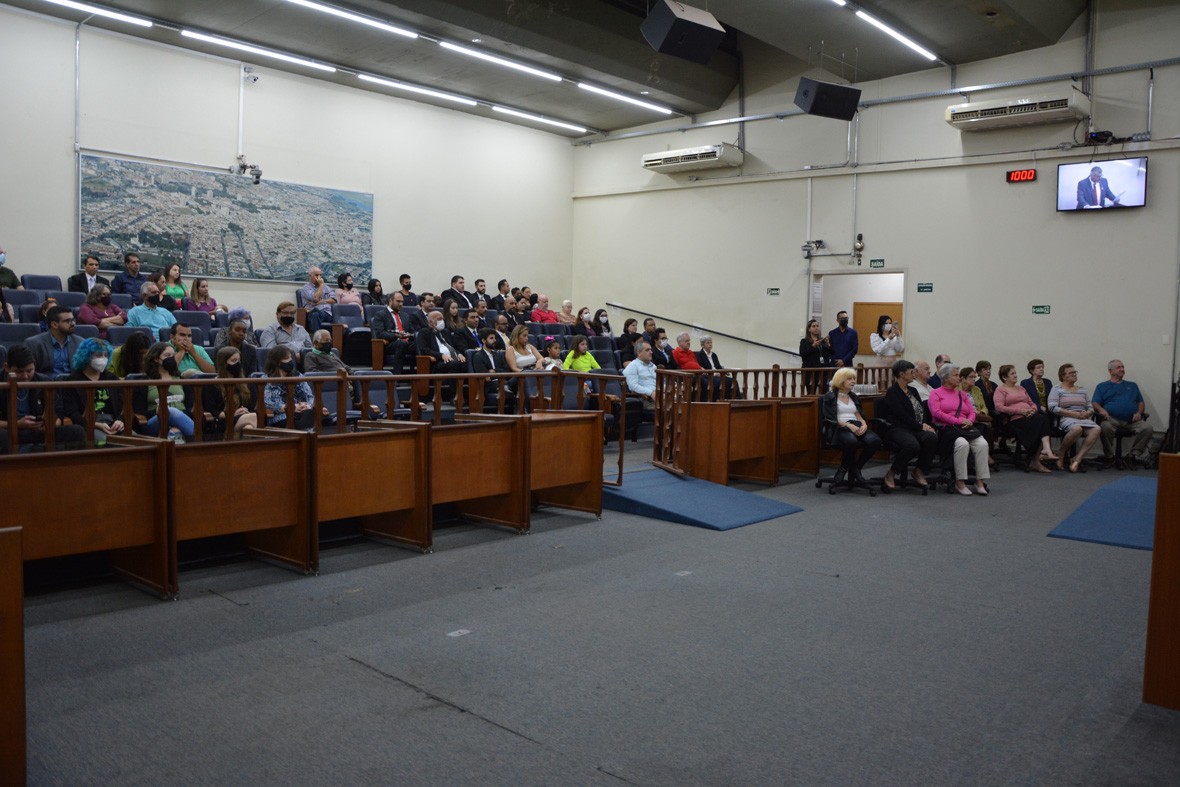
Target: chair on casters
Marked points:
845	477
1119	462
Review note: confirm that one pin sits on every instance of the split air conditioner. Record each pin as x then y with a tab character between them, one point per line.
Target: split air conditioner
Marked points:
1070	105
688	159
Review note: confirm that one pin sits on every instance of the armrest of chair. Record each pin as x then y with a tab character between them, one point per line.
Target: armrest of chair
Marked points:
377	352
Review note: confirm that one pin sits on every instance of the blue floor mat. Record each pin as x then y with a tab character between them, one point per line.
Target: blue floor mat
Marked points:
1120	514
658	494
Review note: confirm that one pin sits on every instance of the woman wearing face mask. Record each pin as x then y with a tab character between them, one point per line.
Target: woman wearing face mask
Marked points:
236	335
585	325
601	323
160	364
238	408
886	340
344	291
99	311
280	363
89	364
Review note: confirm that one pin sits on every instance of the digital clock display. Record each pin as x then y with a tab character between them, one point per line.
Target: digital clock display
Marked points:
1022	175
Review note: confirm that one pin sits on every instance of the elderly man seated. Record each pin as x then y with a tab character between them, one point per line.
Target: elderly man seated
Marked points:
1121	406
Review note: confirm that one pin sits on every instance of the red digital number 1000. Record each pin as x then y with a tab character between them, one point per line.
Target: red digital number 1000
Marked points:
1022	175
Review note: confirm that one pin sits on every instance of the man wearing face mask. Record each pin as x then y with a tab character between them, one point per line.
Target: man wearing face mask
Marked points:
844	341
661	351
285	332
407	284
432	341
150	313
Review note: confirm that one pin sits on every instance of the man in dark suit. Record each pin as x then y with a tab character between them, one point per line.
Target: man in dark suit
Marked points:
488	361
446	359
417	321
661	356
387	324
30	411
53	351
88	279
706	357
497	302
1094	190
457	294
468	337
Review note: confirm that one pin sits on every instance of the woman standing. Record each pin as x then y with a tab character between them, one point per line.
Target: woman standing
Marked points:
886	341
814	350
1070	402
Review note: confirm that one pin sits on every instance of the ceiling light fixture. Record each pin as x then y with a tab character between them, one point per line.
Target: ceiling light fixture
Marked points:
621	97
839	2
98	10
256	50
362	20
421	90
890	31
538	119
499	61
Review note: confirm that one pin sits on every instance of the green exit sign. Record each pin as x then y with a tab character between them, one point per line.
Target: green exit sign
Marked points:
1040	310
925	286
877	263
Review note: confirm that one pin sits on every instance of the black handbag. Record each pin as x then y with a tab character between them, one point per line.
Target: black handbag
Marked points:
967	433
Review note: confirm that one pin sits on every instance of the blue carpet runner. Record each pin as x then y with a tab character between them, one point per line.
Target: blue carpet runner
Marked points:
658	494
1120	514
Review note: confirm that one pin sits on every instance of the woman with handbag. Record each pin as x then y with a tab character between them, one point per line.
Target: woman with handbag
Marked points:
846	427
1029	426
954	416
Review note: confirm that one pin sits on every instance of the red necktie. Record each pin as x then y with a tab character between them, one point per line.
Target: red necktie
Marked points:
398	322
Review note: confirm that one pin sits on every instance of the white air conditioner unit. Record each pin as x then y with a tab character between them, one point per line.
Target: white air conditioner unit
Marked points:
1071	105
688	159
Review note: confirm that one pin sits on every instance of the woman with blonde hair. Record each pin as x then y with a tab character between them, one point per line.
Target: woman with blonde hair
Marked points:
845	425
521	355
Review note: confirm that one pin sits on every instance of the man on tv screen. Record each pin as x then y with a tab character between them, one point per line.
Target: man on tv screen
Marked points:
1094	191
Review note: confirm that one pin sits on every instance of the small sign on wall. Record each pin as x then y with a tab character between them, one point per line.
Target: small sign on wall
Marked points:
772	290
925	286
877	263
1041	309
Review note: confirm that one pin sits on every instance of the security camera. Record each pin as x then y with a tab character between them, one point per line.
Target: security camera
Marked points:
252	78
256	172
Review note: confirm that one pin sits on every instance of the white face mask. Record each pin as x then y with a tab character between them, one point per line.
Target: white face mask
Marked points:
98	364
888	326
438	325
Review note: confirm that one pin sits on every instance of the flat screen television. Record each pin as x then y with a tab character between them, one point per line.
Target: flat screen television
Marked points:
1099	185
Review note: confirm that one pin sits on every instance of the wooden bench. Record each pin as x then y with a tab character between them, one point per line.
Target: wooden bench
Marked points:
733	440
481	464
565	459
1161	664
12	658
798	435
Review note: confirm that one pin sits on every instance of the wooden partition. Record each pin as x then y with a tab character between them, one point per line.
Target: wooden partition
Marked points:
259	486
481	464
565	459
383	471
74	502
733	440
798	436
1161	665
12	658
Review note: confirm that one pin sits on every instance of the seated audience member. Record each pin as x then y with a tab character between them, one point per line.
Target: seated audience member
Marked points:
53	351
457	292
190	358
601	323
706	357
1121	405
480	295
843	341
920	381
30	407
149	313
940	360
1029	425
579	358
630	328
985	384
846	427
8	277
452	322
237	335
886	341
640	374
199	300
421	318
90	365
284	332
1036	385
322	357
375	296
6	312
129	281
43	314
503	331
542	313
953	413
524	312
649	330
521	355
910	432
128	358
527	294
584	326
238	408
566	315
467	337
100	312
281	363
221	338
345	292
661	351
481	314
983	414
487	362
445	359
408	297
1071	404
88	279
551	354
627	350
682	353
317	300
389	326
166	301
509	309
497	300
173	285
160	364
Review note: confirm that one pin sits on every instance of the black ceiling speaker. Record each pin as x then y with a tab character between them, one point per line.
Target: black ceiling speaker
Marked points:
826	99
681	30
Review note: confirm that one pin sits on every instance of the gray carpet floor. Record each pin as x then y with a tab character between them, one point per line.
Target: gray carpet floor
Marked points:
896	640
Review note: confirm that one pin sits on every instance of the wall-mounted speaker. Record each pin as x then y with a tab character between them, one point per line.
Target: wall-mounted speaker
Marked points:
681	30
826	99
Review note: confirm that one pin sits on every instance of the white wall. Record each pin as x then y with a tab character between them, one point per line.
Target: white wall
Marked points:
930	200
453	193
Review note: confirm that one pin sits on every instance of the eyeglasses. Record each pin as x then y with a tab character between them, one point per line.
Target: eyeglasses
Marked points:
66	320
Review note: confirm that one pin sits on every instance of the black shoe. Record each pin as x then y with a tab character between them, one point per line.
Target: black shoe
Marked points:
857	477
838	478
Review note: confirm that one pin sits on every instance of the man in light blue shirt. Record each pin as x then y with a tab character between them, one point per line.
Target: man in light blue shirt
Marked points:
149	314
189	357
641	374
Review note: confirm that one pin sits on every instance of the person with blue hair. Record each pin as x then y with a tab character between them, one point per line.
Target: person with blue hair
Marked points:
89	364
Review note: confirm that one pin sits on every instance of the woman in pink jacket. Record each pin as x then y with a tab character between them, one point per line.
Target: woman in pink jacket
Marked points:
951	410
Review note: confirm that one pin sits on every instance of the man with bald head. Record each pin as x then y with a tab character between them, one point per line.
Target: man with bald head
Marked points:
432	341
543	313
317	299
1121	406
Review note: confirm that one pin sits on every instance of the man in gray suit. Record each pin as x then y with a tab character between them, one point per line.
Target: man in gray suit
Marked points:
53	351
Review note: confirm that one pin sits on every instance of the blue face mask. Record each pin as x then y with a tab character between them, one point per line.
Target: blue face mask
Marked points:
3	257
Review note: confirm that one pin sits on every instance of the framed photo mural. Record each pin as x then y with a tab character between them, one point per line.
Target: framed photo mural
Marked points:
221	225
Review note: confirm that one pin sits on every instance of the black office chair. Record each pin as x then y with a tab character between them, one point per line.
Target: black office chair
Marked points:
843	477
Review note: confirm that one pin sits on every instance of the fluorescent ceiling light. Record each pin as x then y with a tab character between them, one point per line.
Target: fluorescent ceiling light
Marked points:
499	61
94	9
363	20
621	97
256	50
887	29
538	119
416	89
839	2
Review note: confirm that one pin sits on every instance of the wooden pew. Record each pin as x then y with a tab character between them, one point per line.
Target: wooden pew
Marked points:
798	436
481	464
1161	664
565	459
261	487
74	502
12	658
733	440
383	470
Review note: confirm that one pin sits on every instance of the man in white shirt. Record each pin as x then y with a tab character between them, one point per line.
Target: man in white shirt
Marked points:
921	381
88	278
641	375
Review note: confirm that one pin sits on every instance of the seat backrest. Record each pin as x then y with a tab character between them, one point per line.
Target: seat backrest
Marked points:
3	355
16	298
538	328
299	298
348	314
86	331
17	332
193	319
29	312
375	384
69	299
123	301
471	353
605	358
602	343
118	334
373	309
39	281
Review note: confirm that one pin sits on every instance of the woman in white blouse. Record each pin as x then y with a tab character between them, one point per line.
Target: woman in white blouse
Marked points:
887	341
